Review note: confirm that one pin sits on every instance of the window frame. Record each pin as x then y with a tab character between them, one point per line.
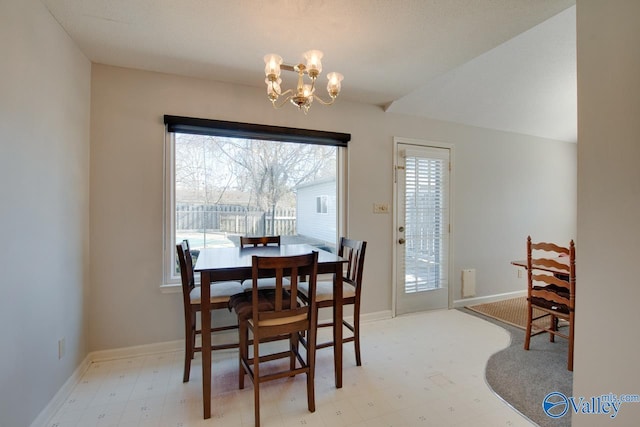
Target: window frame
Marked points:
322	204
176	124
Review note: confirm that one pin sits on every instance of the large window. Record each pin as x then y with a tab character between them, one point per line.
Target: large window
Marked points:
223	182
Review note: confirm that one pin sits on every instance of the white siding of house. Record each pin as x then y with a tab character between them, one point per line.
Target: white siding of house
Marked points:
320	226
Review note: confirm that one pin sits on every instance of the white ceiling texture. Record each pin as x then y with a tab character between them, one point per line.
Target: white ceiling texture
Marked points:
500	64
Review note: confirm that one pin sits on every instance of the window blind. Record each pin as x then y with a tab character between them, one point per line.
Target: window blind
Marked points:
198	126
426	222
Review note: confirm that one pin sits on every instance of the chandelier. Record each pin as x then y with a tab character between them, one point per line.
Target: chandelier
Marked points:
304	94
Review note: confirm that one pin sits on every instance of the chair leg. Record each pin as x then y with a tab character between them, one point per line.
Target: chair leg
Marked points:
243	350
311	362
193	334
356	332
554	327
188	347
570	349
527	336
294	341
311	401
256	379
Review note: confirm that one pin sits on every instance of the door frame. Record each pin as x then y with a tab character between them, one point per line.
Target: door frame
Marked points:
394	268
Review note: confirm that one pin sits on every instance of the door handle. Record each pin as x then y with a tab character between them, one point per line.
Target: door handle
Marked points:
401	241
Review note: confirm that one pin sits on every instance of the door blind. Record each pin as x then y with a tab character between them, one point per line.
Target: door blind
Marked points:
426	222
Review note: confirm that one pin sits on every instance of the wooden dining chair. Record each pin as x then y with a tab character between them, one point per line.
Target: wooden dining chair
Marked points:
275	314
255	241
551	288
220	294
260	241
353	251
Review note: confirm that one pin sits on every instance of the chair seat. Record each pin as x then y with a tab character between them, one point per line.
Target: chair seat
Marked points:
265	283
324	290
220	292
243	306
279	321
560	290
552	305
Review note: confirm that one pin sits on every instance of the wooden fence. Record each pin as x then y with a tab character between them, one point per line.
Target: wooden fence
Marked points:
235	219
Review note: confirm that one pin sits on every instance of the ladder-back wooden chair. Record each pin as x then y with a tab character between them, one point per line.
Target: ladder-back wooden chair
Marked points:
272	314
260	241
551	279
353	251
220	294
250	241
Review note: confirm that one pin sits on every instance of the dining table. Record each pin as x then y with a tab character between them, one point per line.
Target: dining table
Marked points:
234	263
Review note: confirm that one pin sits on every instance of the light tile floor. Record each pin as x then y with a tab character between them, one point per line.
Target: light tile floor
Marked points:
423	369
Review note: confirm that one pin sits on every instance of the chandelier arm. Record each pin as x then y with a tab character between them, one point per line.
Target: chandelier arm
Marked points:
323	102
283	100
285	93
313	86
273	88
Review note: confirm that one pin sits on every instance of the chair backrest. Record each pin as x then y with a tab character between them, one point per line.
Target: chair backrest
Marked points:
285	301
551	264
186	269
259	241
353	251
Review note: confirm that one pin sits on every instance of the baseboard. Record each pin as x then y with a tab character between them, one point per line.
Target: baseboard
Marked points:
135	351
62	395
486	299
378	315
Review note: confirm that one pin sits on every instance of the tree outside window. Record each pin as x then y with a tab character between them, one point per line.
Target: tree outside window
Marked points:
226	187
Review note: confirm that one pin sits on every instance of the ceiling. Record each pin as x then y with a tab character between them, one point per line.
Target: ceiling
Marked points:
500	64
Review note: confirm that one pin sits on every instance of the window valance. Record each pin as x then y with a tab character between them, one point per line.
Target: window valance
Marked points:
197	126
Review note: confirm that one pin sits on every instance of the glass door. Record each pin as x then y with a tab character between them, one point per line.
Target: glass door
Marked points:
422	233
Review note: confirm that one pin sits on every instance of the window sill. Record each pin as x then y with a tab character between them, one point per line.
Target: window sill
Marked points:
170	288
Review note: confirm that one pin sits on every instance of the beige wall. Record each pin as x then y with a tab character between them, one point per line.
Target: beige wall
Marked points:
44	208
607	319
498	177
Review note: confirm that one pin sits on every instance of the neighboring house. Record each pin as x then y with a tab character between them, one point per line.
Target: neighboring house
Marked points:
316	210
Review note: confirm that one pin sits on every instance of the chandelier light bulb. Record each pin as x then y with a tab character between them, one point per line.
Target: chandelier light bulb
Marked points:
334	84
314	64
272	65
